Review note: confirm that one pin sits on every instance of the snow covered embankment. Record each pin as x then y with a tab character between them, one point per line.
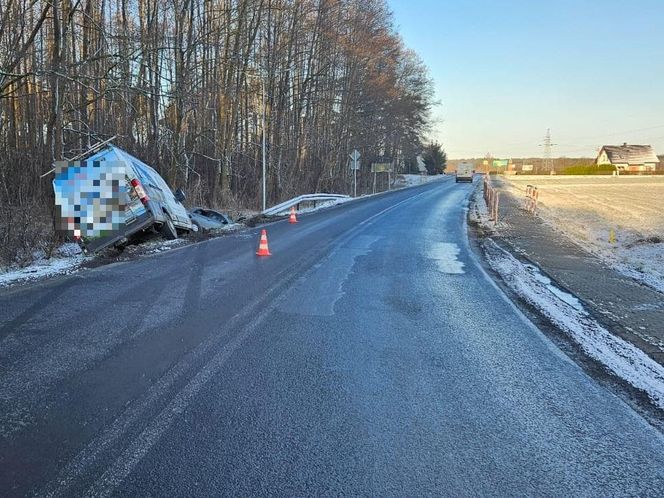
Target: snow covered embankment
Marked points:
567	313
67	259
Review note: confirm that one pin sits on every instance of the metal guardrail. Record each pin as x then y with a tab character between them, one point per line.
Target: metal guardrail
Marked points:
285	206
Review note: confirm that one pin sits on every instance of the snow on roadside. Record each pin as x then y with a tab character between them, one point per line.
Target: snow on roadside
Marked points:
42	269
565	311
408	180
69	259
323	205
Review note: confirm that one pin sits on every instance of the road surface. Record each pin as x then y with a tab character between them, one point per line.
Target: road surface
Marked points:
370	355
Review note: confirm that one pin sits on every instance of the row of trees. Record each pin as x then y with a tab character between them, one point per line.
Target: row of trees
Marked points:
193	86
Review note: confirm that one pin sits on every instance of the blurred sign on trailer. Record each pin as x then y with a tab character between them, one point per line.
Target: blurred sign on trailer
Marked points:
381	167
527	167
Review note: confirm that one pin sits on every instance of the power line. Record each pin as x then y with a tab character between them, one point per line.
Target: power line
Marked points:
620	132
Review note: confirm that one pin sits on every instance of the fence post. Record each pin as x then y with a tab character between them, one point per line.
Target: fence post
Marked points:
495	218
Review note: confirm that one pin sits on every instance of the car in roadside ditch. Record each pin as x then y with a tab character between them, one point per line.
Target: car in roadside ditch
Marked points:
208	219
111	197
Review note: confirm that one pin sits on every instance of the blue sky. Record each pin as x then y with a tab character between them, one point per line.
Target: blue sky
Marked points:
506	70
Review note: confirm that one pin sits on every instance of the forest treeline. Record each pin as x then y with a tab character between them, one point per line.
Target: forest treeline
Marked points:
190	86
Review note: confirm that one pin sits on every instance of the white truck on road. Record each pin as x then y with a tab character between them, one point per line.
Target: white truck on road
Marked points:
464	172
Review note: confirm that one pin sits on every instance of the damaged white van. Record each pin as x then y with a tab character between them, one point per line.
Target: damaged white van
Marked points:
111	196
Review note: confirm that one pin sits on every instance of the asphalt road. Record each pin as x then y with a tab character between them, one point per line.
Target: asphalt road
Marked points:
370	355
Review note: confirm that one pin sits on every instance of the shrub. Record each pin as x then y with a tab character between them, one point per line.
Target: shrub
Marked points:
593	169
26	234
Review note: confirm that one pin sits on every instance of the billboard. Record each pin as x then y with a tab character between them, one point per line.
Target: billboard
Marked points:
527	167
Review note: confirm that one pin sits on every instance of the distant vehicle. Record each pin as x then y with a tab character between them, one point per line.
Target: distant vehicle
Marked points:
150	204
208	219
464	172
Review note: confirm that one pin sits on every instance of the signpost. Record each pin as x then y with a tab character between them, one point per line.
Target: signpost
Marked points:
381	168
355	165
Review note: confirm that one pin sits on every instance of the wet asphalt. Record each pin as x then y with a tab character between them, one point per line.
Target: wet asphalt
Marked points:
370	355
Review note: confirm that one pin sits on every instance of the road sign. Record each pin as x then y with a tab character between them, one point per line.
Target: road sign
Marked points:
500	163
354	160
381	167
527	167
354	166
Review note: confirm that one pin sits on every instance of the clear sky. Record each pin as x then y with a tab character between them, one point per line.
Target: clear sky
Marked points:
506	70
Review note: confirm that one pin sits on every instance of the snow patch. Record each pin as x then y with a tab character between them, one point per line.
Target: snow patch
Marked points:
568	298
41	269
408	180
324	205
446	256
564	310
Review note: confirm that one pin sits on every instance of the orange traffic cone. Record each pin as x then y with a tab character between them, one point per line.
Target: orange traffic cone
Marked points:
262	247
292	218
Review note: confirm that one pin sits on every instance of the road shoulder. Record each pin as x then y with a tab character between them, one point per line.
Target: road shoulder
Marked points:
606	322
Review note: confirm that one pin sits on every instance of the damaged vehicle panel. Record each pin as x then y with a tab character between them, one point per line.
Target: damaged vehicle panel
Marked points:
110	197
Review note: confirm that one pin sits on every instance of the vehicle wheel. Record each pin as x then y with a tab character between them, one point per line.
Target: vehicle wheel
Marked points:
168	229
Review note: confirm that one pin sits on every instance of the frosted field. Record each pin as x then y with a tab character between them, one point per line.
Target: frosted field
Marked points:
586	208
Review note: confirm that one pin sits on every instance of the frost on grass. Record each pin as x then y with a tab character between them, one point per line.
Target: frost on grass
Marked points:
566	312
65	262
587	209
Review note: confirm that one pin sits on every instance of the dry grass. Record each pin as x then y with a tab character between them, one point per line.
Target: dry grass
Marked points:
26	234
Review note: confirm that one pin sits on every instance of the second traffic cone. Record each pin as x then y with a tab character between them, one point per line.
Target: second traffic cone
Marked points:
292	218
263	250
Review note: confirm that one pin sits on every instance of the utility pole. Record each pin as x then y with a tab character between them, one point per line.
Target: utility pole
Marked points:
263	129
548	161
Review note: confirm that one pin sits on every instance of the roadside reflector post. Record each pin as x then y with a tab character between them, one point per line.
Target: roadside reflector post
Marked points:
532	194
